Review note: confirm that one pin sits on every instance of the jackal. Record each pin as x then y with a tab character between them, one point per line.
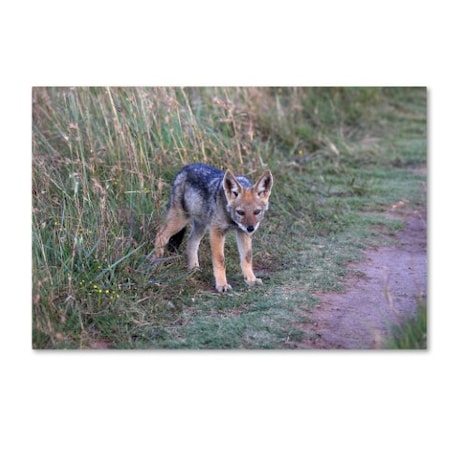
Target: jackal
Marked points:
221	202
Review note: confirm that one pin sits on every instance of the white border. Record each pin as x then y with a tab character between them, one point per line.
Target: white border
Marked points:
219	400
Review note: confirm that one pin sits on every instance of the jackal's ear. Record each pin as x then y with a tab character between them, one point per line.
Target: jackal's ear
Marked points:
231	186
264	185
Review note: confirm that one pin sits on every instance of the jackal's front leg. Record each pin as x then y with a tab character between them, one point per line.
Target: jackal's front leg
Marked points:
244	242
217	237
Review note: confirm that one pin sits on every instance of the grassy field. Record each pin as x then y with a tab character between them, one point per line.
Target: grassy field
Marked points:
103	161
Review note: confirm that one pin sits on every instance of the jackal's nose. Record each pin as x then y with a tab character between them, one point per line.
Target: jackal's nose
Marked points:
250	229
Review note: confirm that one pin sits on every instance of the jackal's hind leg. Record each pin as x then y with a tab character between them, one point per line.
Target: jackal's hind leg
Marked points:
197	233
176	220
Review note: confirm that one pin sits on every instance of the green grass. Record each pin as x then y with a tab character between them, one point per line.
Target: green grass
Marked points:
410	334
103	161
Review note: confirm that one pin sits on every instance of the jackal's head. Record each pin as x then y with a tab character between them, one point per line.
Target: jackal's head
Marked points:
246	205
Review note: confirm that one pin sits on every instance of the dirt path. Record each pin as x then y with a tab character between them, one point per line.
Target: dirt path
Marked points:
382	290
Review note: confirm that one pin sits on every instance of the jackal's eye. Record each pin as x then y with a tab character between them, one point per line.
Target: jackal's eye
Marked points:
256	212
239	212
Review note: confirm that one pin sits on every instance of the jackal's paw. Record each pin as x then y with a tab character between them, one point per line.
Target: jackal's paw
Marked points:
223	287
256	281
158	253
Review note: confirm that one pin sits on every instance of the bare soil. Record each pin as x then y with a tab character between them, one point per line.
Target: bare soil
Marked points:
382	290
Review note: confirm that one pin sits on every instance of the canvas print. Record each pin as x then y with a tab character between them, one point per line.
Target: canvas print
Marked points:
286	218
